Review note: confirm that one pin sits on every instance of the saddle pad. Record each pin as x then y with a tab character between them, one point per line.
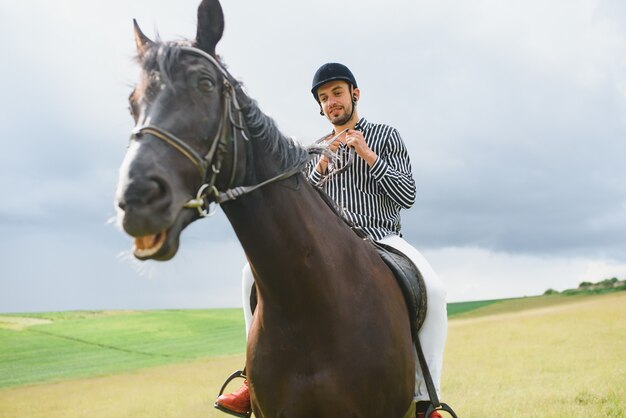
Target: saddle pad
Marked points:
410	281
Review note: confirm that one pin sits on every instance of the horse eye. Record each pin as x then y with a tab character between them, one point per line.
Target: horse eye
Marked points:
206	85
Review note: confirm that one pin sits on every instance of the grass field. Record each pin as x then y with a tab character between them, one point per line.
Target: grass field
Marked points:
81	344
561	358
551	356
39	347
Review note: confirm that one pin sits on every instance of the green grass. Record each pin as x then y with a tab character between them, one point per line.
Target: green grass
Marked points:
565	359
91	343
495	306
80	344
507	306
457	308
553	356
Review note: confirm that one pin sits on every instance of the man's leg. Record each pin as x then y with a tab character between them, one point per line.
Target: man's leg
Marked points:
247	282
433	333
238	402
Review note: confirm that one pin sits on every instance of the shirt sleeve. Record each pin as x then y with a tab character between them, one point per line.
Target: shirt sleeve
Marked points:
392	171
311	174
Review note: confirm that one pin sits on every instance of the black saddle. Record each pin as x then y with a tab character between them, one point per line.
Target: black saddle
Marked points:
410	281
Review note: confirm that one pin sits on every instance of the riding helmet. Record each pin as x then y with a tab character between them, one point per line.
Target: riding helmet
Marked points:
330	72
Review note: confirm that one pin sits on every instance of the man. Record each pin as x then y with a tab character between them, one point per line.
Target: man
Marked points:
370	193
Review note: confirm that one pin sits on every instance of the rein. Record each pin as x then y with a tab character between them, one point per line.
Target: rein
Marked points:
209	165
334	167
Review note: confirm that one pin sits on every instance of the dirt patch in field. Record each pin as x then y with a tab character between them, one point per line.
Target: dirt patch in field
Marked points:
18	323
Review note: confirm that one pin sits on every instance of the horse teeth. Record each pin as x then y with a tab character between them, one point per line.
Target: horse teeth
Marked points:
148	245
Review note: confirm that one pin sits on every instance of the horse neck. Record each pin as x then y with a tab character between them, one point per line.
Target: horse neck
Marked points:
284	227
291	238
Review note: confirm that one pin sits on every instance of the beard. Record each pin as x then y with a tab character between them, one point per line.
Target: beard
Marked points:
343	117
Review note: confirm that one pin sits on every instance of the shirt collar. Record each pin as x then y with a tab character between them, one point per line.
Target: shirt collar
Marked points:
361	125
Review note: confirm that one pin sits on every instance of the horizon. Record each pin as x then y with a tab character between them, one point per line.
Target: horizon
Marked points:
559	292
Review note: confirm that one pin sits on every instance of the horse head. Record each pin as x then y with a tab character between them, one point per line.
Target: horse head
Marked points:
184	144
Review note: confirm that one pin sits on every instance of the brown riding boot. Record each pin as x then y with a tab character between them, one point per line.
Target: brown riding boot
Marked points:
237	403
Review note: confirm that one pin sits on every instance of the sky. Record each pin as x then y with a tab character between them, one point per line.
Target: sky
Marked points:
514	115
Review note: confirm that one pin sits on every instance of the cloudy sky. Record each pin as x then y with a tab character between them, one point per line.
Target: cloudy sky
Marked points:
514	114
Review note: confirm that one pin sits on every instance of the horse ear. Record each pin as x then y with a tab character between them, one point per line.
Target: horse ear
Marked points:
210	25
142	41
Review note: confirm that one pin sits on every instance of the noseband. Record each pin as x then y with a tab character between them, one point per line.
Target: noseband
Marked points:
209	165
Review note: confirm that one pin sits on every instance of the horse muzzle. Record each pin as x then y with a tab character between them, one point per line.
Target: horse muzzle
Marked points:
157	244
147	213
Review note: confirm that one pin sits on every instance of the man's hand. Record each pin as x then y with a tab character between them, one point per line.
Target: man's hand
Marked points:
356	140
322	164
351	138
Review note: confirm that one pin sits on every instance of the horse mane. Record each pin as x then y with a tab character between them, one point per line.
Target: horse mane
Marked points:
262	127
164	55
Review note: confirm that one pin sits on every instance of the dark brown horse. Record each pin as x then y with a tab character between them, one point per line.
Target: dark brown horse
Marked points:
331	335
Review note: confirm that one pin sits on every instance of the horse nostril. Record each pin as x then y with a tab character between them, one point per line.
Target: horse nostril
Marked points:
145	192
156	191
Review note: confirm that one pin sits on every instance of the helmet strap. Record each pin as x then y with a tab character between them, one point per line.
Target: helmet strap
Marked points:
353	101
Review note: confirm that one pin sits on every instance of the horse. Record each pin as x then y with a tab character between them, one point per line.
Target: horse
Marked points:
331	335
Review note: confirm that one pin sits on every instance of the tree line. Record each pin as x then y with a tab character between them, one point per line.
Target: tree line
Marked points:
604	286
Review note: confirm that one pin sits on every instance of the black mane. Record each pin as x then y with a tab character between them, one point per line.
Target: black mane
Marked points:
264	128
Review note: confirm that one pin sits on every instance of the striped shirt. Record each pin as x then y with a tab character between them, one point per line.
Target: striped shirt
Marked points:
371	197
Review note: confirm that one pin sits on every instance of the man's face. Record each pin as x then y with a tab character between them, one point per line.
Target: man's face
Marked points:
336	101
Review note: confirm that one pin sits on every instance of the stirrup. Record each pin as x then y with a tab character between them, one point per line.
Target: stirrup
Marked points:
238	373
442	407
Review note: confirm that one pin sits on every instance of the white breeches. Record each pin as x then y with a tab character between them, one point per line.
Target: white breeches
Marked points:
433	333
247	281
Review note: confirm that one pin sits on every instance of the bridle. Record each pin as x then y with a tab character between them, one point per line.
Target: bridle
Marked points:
209	165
